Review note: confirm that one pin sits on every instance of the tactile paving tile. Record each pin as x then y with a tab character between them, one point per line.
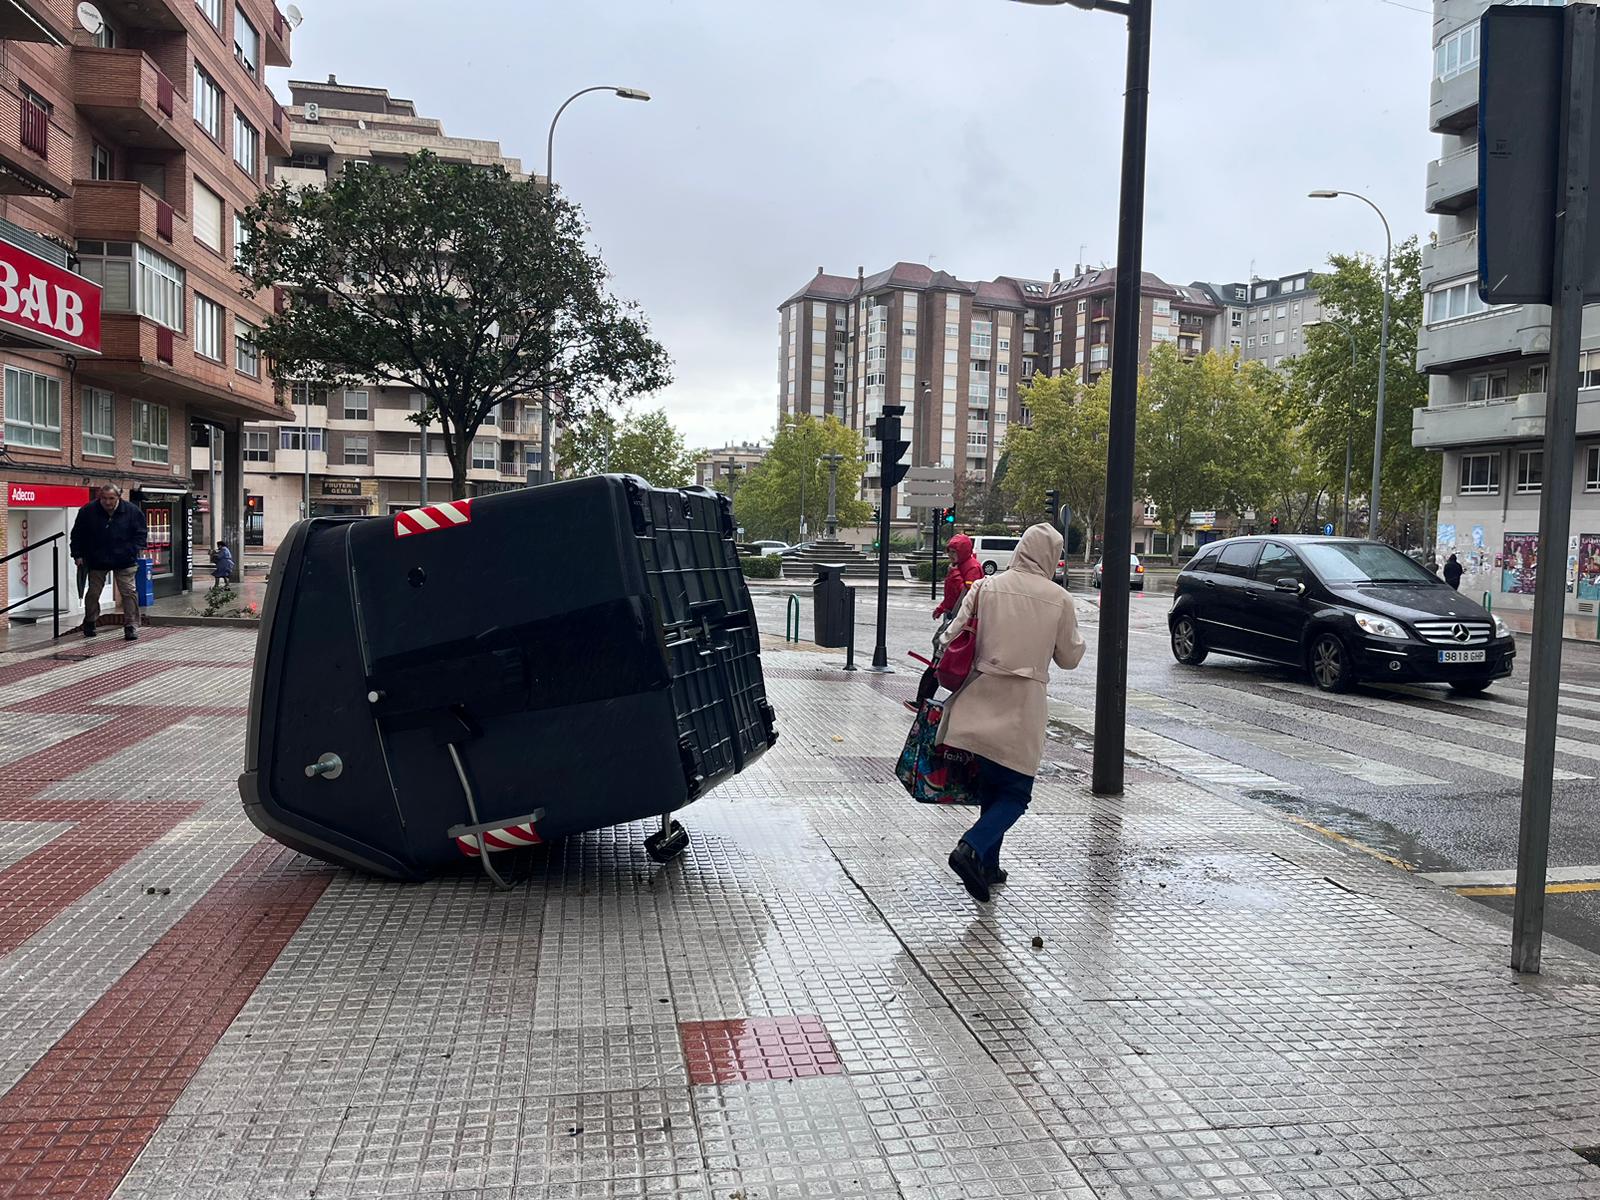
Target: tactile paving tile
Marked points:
758	1048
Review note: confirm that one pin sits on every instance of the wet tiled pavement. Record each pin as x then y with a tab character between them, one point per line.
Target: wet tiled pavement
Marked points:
806	1005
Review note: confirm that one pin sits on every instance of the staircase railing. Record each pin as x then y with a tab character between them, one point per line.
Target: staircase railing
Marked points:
53	591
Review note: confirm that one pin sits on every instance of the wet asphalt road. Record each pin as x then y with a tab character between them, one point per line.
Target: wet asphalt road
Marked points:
1412	773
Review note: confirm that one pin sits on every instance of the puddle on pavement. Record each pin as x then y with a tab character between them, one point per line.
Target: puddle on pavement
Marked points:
1359	827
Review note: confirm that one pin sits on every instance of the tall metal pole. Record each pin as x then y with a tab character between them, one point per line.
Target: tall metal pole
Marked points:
424	492
305	444
1111	682
1349	436
1555	496
1383	376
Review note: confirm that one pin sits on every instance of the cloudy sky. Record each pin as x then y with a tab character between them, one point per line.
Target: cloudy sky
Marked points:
977	135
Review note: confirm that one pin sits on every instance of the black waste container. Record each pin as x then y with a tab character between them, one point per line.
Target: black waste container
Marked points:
496	672
833	606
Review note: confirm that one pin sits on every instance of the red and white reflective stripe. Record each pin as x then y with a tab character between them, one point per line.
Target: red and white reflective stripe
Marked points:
435	516
511	837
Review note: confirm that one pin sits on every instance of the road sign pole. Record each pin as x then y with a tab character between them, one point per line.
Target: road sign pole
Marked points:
1555	498
934	515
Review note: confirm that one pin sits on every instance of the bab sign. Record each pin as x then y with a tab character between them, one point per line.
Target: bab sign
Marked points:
46	305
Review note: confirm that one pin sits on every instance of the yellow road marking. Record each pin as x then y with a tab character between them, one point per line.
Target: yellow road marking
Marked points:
1550	889
1352	843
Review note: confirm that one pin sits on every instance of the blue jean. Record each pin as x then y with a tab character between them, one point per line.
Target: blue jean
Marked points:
1005	798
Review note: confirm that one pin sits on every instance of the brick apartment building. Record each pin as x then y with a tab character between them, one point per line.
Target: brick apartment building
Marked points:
356	452
125	154
955	352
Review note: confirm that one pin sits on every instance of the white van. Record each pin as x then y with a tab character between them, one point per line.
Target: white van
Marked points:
995	553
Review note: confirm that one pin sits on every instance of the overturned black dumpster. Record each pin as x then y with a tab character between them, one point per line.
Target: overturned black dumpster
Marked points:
497	672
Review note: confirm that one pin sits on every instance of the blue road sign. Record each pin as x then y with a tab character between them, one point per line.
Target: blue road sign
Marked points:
1327	530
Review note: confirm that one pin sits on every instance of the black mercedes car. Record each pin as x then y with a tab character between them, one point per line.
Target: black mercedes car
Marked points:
1343	609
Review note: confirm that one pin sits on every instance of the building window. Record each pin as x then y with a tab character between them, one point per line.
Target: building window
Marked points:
99	423
257	445
1536	378
1487	387
207	104
150	433
208	318
1589	369
1591	477
1456	301
1480	475
160	289
246	358
100	161
305	395
241	238
1278	338
1456	53
1251	344
212	10
1530	470
356	450
207	217
483	456
1161	308
33	409
110	264
297	437
1235	319
355	406
246	143
35	121
246	43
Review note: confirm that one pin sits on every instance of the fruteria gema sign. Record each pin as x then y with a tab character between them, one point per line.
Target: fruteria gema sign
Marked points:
47	304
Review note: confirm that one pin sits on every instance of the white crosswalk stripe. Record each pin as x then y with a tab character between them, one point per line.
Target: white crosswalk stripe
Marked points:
1291	746
1175	756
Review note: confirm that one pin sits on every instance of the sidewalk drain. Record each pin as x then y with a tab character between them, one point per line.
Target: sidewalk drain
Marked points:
1589	1154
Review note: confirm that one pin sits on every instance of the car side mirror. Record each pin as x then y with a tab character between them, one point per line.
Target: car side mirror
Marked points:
1289	585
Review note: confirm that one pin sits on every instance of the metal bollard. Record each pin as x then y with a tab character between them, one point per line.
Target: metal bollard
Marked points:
1488	602
850	645
791	620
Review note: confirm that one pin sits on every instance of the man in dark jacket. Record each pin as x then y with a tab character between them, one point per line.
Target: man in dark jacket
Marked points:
107	538
1453	572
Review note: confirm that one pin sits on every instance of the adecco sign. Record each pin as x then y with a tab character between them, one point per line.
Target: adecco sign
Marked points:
44	495
47	305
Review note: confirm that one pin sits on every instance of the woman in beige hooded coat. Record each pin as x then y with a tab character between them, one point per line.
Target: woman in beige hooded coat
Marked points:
1025	621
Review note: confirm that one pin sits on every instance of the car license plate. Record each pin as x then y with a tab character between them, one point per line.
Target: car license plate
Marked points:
1461	656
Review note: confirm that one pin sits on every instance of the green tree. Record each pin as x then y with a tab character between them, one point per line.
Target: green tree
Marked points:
769	500
455	281
1063	448
1334	400
646	444
1205	427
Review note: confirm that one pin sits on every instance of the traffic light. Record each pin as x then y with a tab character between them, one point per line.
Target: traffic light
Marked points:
948	516
1273	525
1052	504
886	429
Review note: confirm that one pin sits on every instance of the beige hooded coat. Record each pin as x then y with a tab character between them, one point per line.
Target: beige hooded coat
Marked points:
1025	621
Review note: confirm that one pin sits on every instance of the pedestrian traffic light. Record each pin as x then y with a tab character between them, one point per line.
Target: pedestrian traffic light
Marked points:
886	429
948	516
1052	504
1273	525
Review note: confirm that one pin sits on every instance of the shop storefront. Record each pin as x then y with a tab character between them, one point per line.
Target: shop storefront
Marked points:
34	513
169	519
340	496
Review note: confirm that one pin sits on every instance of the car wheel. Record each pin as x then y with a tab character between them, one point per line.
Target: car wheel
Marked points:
988	568
1330	664
1186	646
1470	687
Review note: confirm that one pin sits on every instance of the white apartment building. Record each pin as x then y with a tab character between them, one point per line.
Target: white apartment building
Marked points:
1487	364
356	452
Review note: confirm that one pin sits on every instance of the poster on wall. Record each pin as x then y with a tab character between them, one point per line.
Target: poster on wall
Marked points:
1519	564
1589	566
1445	544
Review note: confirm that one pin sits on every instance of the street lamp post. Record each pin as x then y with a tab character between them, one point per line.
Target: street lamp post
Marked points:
1111	675
626	93
1383	352
831	528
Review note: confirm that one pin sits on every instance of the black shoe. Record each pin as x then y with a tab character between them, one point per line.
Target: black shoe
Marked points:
998	876
89	630
130	634
965	863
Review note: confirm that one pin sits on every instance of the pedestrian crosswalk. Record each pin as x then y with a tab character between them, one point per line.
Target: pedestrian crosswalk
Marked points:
1174	755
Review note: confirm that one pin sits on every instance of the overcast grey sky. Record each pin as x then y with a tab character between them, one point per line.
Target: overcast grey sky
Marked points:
980	135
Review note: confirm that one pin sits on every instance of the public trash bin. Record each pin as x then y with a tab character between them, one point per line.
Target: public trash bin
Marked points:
144	581
496	672
833	606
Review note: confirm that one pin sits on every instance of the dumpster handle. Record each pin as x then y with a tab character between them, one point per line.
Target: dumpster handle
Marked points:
472	810
791	620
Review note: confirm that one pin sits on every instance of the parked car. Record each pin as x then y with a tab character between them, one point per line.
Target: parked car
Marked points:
994	553
1343	609
769	547
797	548
1135	573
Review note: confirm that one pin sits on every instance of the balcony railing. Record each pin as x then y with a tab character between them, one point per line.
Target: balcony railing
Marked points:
35	128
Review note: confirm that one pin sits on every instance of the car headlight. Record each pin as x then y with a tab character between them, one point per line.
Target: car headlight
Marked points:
1500	628
1380	626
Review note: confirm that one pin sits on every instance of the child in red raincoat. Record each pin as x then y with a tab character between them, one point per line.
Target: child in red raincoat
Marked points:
965	570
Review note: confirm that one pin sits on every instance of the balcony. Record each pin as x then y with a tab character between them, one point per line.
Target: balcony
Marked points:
126	91
276	40
1501	333
32	21
1453	103
409	466
26	168
1453	182
293	462
278	133
1481	422
124	211
163	15
1450	259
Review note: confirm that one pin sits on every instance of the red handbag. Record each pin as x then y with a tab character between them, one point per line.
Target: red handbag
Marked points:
955	663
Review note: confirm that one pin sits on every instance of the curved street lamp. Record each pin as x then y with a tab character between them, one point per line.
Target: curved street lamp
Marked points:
1383	350
625	93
